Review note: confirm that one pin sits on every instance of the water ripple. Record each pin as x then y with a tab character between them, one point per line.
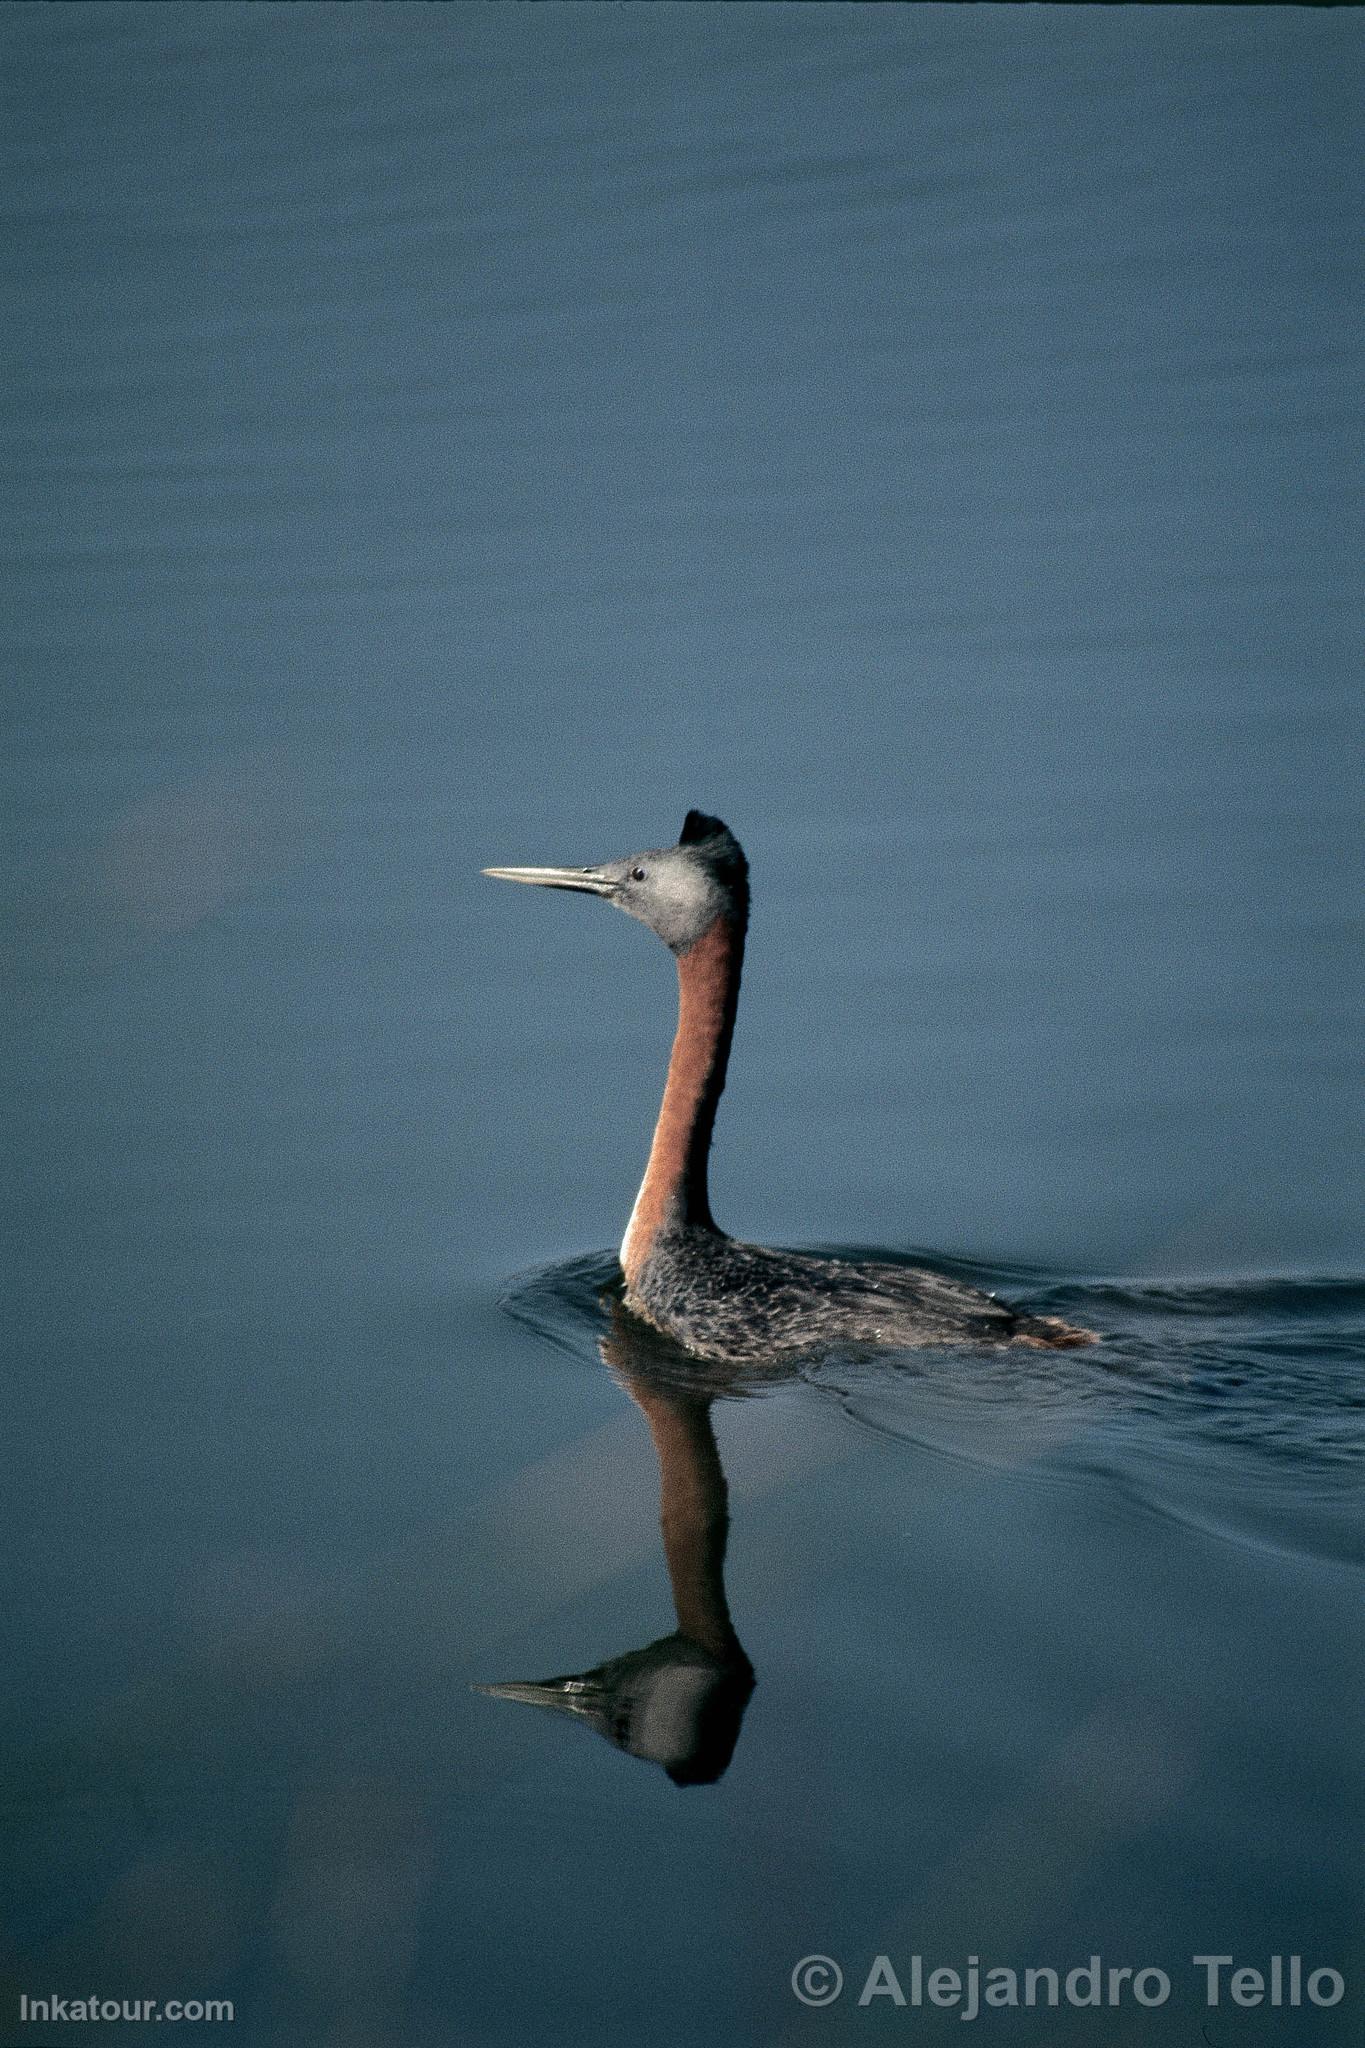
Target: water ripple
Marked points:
1233	1406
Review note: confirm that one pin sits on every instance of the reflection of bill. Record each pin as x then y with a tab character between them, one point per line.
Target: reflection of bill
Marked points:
677	1702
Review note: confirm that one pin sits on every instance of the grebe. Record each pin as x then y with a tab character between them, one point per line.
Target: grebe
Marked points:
719	1298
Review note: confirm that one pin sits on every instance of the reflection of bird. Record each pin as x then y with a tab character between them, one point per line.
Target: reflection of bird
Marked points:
718	1297
668	1704
679	1701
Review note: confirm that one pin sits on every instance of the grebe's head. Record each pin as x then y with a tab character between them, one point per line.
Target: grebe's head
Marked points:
678	891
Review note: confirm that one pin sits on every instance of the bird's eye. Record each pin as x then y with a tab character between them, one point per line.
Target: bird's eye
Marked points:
637	874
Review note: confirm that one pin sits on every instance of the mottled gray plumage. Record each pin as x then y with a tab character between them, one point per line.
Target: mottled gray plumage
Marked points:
737	1303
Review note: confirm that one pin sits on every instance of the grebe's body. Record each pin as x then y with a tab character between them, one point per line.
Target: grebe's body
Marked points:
736	1302
716	1296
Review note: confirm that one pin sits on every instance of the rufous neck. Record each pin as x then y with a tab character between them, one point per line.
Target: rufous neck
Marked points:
674	1187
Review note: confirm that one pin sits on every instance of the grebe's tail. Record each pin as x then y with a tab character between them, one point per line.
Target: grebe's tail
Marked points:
1050	1333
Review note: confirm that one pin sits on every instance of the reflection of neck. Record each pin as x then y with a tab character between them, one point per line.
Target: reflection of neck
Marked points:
694	1515
674	1186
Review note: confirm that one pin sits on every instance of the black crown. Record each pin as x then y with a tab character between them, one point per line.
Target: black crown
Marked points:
697	826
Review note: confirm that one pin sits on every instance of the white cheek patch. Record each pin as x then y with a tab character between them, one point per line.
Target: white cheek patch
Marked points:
678	903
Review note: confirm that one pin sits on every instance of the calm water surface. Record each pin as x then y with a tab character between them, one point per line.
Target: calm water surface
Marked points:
442	436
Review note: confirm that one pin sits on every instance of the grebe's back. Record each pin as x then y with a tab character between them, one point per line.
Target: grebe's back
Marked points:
721	1298
736	1302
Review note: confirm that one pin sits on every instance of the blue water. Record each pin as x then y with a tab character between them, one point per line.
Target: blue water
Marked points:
442	436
